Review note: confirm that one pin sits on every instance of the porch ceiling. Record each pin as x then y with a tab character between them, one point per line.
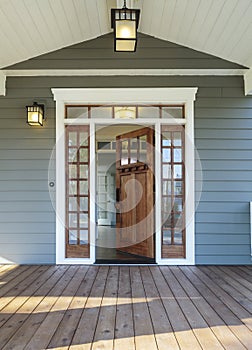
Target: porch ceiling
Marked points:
29	28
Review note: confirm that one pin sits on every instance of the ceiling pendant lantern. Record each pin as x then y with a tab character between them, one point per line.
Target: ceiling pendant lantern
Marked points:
125	23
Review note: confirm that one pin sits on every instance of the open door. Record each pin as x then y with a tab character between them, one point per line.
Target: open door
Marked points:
135	192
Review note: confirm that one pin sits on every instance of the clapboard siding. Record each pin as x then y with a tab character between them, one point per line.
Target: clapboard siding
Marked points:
223	130
101	55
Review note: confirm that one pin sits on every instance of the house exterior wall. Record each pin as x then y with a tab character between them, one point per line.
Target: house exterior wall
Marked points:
223	123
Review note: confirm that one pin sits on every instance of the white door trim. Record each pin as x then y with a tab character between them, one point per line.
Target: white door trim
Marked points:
148	96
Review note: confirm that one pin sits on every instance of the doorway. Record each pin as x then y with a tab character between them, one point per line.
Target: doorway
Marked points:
125	194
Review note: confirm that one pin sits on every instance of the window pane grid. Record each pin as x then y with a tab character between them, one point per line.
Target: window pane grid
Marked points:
173	190
77	180
124	112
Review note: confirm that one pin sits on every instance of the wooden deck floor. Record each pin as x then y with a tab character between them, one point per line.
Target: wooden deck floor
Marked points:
124	308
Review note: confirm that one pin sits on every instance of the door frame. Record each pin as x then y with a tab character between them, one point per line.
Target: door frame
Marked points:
120	96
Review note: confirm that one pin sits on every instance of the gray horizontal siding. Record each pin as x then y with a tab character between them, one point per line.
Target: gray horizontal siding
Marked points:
223	129
151	53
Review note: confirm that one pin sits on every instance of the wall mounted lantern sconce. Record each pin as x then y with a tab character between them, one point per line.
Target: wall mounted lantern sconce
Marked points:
35	114
125	23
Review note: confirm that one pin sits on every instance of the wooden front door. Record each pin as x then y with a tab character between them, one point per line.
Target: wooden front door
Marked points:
135	192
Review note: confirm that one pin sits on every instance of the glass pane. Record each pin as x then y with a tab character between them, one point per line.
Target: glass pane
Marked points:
178	187
166	219
133	157
178	205
166	139
83	187
103	145
143	143
177	172
177	141
166	188
166	171
72	187
73	204
84	220
134	144
166	153
101	112
167	205
83	154
177	155
73	220
73	171
72	138
148	112
72	155
178	237
83	138
166	236
83	236
172	112
125	112
84	204
83	171
72	238
77	112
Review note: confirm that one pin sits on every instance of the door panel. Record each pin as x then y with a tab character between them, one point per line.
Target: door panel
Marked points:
135	199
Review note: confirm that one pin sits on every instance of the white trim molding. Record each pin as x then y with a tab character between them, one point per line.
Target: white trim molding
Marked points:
110	96
115	72
248	82
2	83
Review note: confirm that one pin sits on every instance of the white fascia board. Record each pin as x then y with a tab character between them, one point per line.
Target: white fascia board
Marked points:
121	72
124	95
248	82
2	83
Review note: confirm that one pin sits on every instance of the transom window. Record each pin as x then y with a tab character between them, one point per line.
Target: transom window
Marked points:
124	112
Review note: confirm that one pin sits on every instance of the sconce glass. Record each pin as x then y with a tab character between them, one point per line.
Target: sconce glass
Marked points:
35	114
127	112
125	23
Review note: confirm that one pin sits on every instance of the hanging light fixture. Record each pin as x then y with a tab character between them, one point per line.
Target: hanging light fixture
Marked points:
125	23
35	114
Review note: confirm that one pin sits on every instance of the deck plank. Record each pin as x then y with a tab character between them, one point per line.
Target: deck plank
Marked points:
164	335
228	285
197	294
144	334
204	334
105	328
125	307
124	330
84	335
47	328
41	306
218	300
66	329
181	328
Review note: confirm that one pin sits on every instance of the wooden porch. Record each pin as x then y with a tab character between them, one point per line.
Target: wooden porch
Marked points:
124	308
